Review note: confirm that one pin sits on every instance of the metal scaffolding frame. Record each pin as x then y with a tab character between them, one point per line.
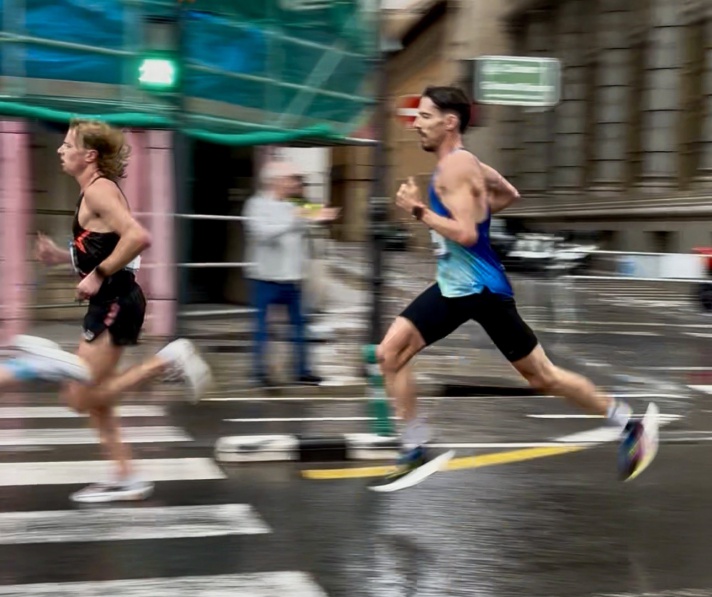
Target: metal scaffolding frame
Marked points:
282	105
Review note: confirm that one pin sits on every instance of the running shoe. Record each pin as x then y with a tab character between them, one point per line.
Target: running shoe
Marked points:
119	491
49	362
639	444
413	467
186	363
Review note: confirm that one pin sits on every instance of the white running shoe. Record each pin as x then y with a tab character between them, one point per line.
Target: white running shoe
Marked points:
50	362
186	362
639	445
33	343
101	493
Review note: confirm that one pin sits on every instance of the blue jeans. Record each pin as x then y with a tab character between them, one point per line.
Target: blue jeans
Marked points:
265	294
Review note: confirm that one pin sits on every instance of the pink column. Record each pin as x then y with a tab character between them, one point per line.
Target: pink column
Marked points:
16	203
161	202
136	189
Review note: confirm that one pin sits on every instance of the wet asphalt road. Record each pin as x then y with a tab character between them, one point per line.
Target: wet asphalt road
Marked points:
552	526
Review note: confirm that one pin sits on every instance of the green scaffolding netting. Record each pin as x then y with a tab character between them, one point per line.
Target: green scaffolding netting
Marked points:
252	72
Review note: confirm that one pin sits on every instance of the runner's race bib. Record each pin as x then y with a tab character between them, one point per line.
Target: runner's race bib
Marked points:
439	245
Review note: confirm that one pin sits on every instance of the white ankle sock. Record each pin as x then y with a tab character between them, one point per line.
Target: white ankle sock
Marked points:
416	433
619	413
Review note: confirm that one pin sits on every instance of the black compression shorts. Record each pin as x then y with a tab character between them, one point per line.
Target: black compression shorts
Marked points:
436	317
121	315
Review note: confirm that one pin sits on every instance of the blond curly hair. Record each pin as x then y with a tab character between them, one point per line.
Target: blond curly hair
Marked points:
107	141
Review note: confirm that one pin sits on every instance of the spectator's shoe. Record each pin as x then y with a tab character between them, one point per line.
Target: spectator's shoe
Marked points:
309	380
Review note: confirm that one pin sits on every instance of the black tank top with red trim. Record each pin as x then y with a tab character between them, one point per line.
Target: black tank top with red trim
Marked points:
89	249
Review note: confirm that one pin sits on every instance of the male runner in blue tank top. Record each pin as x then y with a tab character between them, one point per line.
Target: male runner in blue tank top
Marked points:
472	285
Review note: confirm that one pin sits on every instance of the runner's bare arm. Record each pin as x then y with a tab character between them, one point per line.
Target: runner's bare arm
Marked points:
500	191
462	191
47	251
105	200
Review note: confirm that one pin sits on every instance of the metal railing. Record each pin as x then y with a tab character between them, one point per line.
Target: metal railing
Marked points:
186	312
668	282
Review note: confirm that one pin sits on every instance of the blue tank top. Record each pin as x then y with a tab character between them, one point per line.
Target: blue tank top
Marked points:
463	271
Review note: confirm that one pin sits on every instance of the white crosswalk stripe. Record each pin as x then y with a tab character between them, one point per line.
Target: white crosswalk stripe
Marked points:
59	412
273	584
109	524
92	471
706	388
169	521
75	437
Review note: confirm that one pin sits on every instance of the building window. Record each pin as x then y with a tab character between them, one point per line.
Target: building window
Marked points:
635	123
663	241
591	109
693	99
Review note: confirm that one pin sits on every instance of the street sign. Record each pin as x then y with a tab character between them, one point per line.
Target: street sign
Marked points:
517	81
407	109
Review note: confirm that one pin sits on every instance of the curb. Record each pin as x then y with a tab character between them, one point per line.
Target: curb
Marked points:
302	448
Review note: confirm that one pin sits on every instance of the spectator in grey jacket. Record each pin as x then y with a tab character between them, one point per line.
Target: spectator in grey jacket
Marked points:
276	231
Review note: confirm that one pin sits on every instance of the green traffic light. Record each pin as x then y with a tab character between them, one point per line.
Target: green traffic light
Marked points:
158	73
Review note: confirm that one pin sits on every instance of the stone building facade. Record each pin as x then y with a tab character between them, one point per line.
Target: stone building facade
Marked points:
628	151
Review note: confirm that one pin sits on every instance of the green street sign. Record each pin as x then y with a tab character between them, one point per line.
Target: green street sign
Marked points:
517	81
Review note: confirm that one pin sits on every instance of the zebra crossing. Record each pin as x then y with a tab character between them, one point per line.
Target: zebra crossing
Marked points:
168	545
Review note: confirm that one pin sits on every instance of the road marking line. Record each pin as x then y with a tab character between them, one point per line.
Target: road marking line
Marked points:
491	445
298	419
357	398
58	412
595	332
706	389
677	368
635	324
577	416
464	462
91	471
420	399
260	584
128	524
666	593
76	437
577	442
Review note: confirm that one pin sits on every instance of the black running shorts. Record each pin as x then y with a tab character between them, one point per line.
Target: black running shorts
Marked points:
436	317
122	315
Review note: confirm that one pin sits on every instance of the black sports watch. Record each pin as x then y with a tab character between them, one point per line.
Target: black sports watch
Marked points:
417	212
99	271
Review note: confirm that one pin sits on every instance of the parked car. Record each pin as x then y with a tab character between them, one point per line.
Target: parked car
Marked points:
548	253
